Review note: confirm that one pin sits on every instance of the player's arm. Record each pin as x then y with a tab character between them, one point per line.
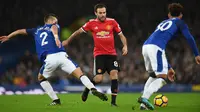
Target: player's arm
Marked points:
13	34
171	73
124	42
122	37
54	30
86	27
76	33
190	39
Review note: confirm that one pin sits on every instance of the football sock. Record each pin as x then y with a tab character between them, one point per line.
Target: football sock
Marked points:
148	82
86	82
114	90
153	87
48	89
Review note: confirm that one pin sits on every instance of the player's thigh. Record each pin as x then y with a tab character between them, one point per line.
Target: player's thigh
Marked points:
153	54
99	65
146	58
158	61
68	65
112	64
164	63
49	66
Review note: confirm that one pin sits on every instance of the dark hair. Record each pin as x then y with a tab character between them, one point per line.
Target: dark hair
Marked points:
48	16
175	9
99	6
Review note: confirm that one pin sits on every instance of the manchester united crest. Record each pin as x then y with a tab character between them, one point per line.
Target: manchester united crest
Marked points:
108	27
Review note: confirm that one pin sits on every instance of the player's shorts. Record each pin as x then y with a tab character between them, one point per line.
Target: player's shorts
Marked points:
57	60
155	59
103	63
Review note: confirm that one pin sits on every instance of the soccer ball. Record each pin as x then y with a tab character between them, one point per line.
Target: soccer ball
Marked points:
161	100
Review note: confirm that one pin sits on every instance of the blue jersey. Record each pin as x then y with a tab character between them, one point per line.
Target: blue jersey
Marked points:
45	41
167	30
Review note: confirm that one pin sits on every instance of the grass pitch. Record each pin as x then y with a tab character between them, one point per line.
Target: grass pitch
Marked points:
178	102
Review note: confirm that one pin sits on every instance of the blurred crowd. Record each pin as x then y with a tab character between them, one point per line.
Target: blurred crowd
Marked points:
137	19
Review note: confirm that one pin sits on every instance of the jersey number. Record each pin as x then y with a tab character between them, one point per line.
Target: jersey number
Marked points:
44	35
164	26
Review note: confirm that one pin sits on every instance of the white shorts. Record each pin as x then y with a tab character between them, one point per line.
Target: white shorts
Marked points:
57	60
155	59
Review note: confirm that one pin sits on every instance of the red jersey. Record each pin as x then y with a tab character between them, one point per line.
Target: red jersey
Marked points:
103	37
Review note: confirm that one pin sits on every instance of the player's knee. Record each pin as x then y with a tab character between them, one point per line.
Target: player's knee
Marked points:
164	77
98	78
77	73
113	74
41	78
152	74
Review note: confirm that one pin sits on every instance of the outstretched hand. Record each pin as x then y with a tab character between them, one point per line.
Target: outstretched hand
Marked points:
4	39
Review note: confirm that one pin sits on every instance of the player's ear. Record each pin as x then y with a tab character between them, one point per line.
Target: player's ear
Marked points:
169	15
55	21
95	13
181	15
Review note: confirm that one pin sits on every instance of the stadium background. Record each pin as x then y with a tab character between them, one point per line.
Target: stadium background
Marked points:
138	18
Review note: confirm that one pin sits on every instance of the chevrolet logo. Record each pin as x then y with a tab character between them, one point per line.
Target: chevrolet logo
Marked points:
102	33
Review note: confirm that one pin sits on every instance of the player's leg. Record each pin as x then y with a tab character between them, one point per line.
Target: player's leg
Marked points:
149	53
49	90
160	67
112	66
156	83
153	87
164	76
148	82
85	80
72	68
98	72
96	80
149	69
45	72
114	86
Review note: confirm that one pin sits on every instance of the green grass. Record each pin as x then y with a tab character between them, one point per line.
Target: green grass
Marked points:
178	102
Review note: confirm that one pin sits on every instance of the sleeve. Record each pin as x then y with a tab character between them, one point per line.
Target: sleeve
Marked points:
117	27
86	27
30	31
190	39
